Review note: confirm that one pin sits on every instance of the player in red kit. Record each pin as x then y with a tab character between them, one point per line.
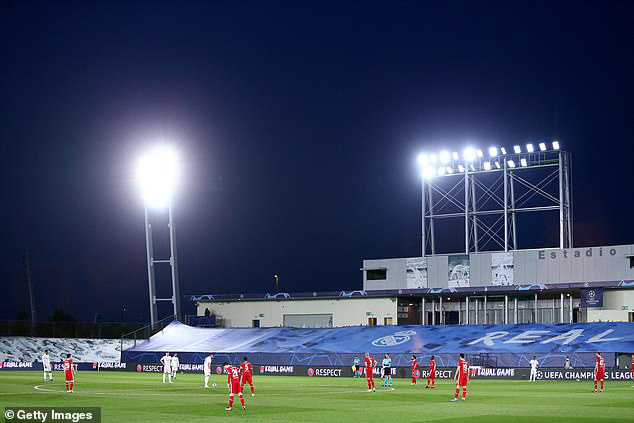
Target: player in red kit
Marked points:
233	382
599	371
246	369
432	373
370	364
69	373
462	378
632	369
414	368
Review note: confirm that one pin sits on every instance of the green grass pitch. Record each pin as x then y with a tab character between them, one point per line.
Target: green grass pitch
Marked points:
141	397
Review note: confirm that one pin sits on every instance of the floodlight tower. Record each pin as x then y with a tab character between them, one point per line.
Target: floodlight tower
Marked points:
487	191
158	176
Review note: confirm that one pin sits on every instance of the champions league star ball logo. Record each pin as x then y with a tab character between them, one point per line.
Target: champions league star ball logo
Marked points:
396	338
311	371
591	294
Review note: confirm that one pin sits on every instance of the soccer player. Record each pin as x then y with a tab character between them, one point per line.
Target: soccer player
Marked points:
432	373
414	368
534	366
370	364
69	373
174	365
46	366
462	378
233	382
599	371
387	371
632	369
166	361
356	366
207	370
246	369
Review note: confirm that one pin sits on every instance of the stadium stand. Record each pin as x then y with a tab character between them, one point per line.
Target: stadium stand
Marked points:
30	349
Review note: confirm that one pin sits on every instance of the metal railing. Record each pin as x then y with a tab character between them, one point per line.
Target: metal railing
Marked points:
47	329
144	333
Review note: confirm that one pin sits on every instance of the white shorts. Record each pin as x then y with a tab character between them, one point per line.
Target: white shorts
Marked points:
207	373
47	368
167	369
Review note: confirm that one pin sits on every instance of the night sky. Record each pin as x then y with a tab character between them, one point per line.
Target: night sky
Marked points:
299	124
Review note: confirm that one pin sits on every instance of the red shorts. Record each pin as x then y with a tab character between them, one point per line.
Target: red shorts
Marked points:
69	376
247	377
600	375
234	387
369	374
463	380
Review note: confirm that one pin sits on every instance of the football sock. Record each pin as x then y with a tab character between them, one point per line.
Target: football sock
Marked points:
602	385
464	392
241	399
457	392
230	400
595	385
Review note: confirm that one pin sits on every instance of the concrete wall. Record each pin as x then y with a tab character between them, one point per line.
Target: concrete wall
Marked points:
613	303
345	311
596	264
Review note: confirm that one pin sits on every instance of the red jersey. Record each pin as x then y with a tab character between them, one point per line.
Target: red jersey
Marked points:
233	374
600	364
369	363
464	368
432	366
246	367
414	365
68	365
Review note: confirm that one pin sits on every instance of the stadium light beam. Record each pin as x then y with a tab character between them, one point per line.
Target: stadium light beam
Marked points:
493	152
469	154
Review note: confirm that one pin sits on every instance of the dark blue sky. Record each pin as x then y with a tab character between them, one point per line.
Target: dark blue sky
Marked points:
299	123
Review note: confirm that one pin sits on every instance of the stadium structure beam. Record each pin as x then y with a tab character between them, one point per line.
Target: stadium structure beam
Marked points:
529	182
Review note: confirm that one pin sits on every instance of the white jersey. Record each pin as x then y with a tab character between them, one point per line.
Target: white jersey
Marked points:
534	364
175	363
207	365
46	362
167	361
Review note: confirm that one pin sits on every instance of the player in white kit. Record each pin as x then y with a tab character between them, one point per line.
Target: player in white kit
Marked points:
175	364
46	366
207	370
166	361
534	366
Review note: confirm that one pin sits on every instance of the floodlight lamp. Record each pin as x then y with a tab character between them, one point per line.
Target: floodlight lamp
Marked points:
460	168
511	163
455	155
423	159
530	148
433	158
517	149
555	145
523	162
449	170
469	154
479	153
472	167
428	172
493	152
441	171
542	146
497	165
158	175
487	165
444	157
503	150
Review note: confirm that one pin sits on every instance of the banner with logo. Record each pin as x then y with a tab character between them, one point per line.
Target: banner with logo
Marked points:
562	339
502	269
591	297
416	272
459	271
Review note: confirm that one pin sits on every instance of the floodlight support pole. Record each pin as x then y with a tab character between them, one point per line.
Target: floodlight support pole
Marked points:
150	267
561	203
506	209
513	229
423	238
176	300
466	209
475	216
431	219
